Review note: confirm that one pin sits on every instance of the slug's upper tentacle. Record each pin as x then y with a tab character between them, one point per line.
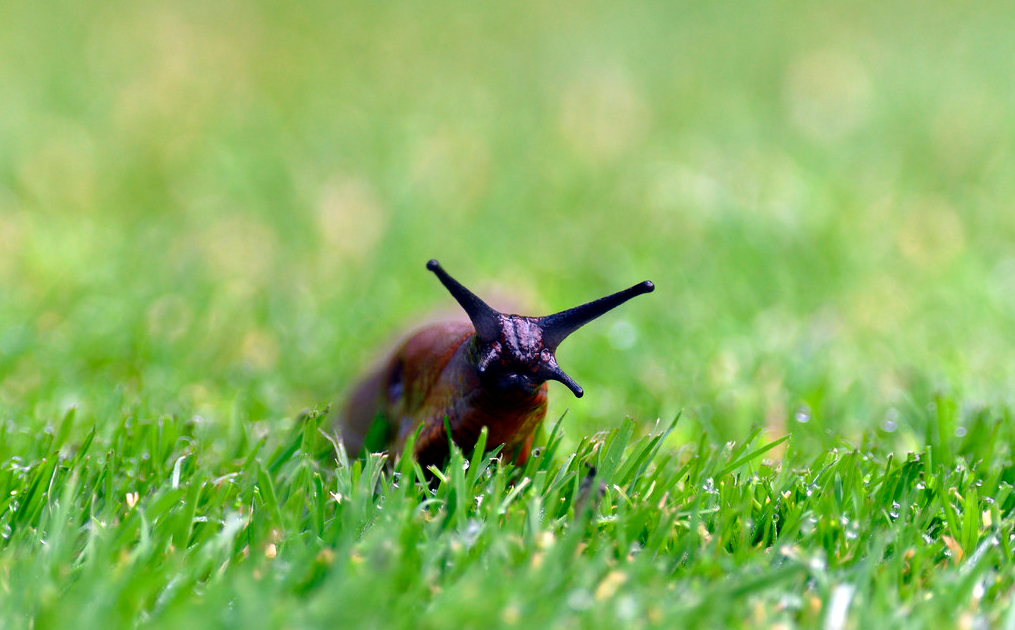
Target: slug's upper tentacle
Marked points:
483	317
558	326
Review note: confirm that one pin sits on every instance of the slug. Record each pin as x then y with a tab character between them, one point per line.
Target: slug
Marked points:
492	372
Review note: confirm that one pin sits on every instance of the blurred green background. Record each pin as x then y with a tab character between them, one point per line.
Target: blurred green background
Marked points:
223	209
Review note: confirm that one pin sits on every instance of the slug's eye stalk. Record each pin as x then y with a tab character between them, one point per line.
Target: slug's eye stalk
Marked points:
558	326
514	346
484	319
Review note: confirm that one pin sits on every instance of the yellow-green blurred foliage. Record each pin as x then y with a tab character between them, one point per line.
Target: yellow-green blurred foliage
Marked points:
224	208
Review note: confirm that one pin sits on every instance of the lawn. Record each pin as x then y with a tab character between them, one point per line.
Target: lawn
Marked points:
214	216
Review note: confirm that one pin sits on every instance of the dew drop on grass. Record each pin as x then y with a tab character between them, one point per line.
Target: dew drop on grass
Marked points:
627	608
817	563
891	421
471	532
580	599
979	590
803	414
6	531
960	431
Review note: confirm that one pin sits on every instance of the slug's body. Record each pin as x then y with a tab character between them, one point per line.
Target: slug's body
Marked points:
490	373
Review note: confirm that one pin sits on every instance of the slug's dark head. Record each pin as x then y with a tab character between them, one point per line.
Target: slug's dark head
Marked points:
517	352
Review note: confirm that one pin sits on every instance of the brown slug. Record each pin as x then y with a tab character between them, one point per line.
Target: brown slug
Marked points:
491	373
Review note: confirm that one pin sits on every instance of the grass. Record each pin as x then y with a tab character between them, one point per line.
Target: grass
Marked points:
154	522
213	215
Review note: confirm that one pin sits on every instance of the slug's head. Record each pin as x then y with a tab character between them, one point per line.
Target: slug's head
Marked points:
517	352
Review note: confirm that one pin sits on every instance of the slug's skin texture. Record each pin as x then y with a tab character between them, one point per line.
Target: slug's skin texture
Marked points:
492	373
429	377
